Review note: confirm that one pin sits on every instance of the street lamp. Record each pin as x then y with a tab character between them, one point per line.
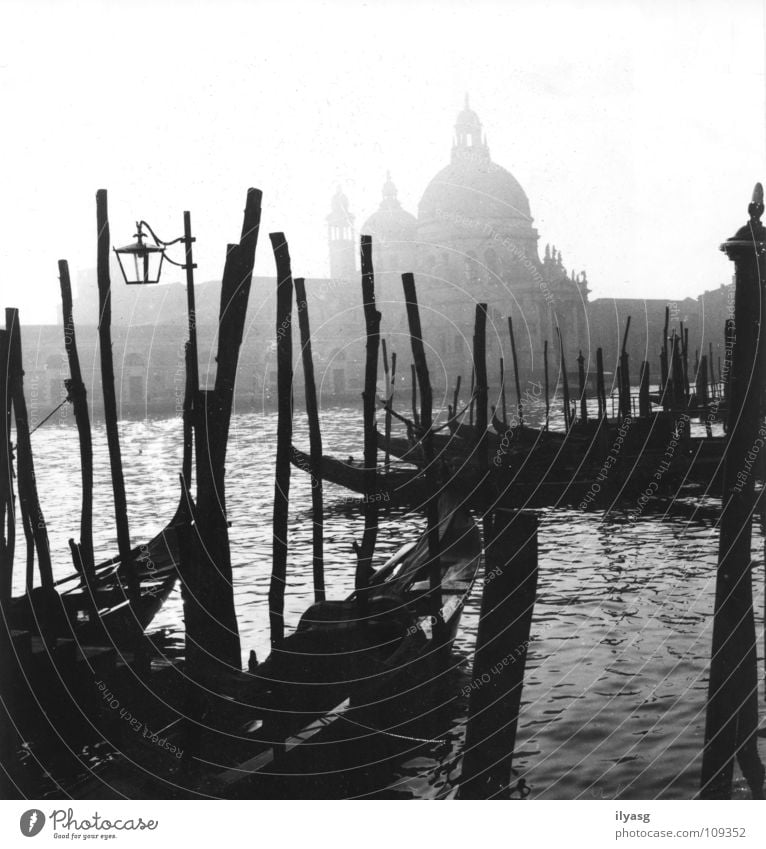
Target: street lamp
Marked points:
143	262
143	265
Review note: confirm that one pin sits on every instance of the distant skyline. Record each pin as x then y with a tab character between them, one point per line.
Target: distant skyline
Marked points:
635	128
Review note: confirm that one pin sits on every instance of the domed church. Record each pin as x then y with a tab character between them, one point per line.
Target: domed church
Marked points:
473	241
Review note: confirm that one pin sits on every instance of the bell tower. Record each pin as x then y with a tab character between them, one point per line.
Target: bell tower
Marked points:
469	140
340	236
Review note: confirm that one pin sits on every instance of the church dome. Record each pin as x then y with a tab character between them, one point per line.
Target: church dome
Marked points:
472	186
391	222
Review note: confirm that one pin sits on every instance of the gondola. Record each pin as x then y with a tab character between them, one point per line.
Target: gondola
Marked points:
367	664
100	611
445	447
396	487
350	664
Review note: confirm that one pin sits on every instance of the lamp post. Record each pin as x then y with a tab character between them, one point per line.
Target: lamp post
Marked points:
143	266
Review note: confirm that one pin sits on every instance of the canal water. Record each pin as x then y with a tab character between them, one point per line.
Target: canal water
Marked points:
614	696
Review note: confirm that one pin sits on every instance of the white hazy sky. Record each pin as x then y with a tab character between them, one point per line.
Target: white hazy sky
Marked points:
636	128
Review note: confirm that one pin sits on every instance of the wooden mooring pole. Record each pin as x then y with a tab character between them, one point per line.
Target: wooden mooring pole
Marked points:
625	375
426	421
284	437
502	645
644	401
711	366
565	381
414	398
7	498
29	501
732	707
315	440
664	364
372	347
600	384
216	641
685	361
519	406
9	741
110	399
581	378
482	390
78	396
503	407
389	405
191	393
547	386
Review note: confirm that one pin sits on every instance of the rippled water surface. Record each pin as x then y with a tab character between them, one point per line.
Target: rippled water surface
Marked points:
614	694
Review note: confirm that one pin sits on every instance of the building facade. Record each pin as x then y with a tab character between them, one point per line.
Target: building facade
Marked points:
472	241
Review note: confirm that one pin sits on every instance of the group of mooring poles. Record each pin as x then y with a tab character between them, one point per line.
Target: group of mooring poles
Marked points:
364	551
205	564
284	317
508	600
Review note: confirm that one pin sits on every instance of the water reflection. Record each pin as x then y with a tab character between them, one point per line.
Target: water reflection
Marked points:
614	697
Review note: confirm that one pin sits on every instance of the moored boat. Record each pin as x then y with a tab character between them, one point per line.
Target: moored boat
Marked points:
100	611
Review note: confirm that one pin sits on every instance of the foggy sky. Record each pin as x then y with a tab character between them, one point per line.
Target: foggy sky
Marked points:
635	128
